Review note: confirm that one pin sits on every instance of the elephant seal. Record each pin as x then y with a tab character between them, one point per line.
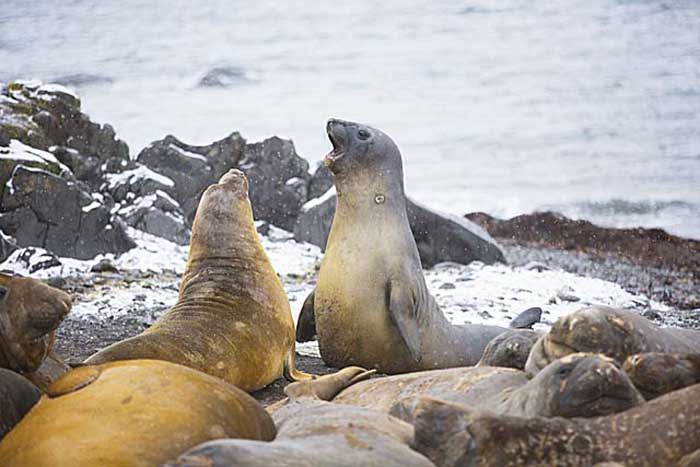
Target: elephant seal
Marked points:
30	312
578	385
17	396
664	432
371	305
612	332
132	412
509	349
312	431
232	319
656	374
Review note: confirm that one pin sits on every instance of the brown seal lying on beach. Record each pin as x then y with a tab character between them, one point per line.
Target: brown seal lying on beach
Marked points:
30	312
612	332
312	431
656	374
371	306
578	385
662	432
135	413
232	319
17	396
509	349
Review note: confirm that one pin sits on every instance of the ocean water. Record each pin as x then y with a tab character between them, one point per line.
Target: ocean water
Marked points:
588	107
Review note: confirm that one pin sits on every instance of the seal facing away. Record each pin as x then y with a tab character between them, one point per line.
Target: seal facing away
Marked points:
371	306
311	431
232	319
30	312
610	331
135	413
656	374
510	349
17	396
578	385
665	431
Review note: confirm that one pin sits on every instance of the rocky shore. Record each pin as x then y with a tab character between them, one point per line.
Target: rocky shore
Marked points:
111	227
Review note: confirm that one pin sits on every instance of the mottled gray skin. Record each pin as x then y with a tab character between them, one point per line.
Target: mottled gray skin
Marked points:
580	385
510	349
372	307
656	374
609	331
17	396
311	431
661	432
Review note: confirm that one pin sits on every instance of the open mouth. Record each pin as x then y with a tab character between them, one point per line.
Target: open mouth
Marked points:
337	140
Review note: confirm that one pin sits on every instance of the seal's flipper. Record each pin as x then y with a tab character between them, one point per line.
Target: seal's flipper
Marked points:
527	318
404	312
306	324
326	387
291	373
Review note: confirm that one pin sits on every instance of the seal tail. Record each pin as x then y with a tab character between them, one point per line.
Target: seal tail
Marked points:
291	373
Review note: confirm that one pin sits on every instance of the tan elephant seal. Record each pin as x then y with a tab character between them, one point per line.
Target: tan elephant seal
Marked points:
662	432
135	413
612	332
371	306
509	349
30	312
656	374
17	396
578	385
312	432
232	318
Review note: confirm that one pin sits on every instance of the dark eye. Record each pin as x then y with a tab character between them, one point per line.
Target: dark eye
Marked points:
3	292
363	134
564	371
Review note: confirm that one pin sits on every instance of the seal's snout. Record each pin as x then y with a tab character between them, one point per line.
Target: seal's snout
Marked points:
234	178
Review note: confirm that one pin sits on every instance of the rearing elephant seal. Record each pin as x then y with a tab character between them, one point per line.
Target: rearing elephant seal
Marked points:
610	331
232	318
371	306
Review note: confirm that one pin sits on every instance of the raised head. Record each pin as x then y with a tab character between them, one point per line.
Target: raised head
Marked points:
362	154
579	385
29	313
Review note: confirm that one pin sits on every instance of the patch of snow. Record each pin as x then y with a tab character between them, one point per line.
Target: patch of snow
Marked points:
19	151
186	153
94	205
293	181
312	203
169	198
131	176
53	88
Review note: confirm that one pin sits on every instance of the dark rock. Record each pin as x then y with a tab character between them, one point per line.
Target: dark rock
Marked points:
277	176
321	181
262	227
7	246
158	214
34	259
224	76
439	237
527	318
47	211
653	315
104	265
47	115
447	286
535	266
136	182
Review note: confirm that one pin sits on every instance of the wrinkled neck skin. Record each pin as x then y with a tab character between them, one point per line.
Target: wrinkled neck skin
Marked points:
358	188
226	256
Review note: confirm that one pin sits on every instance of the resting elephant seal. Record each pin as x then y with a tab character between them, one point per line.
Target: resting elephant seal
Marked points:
509	349
578	385
17	396
30	312
371	306
232	319
314	432
612	332
664	431
135	413
656	374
